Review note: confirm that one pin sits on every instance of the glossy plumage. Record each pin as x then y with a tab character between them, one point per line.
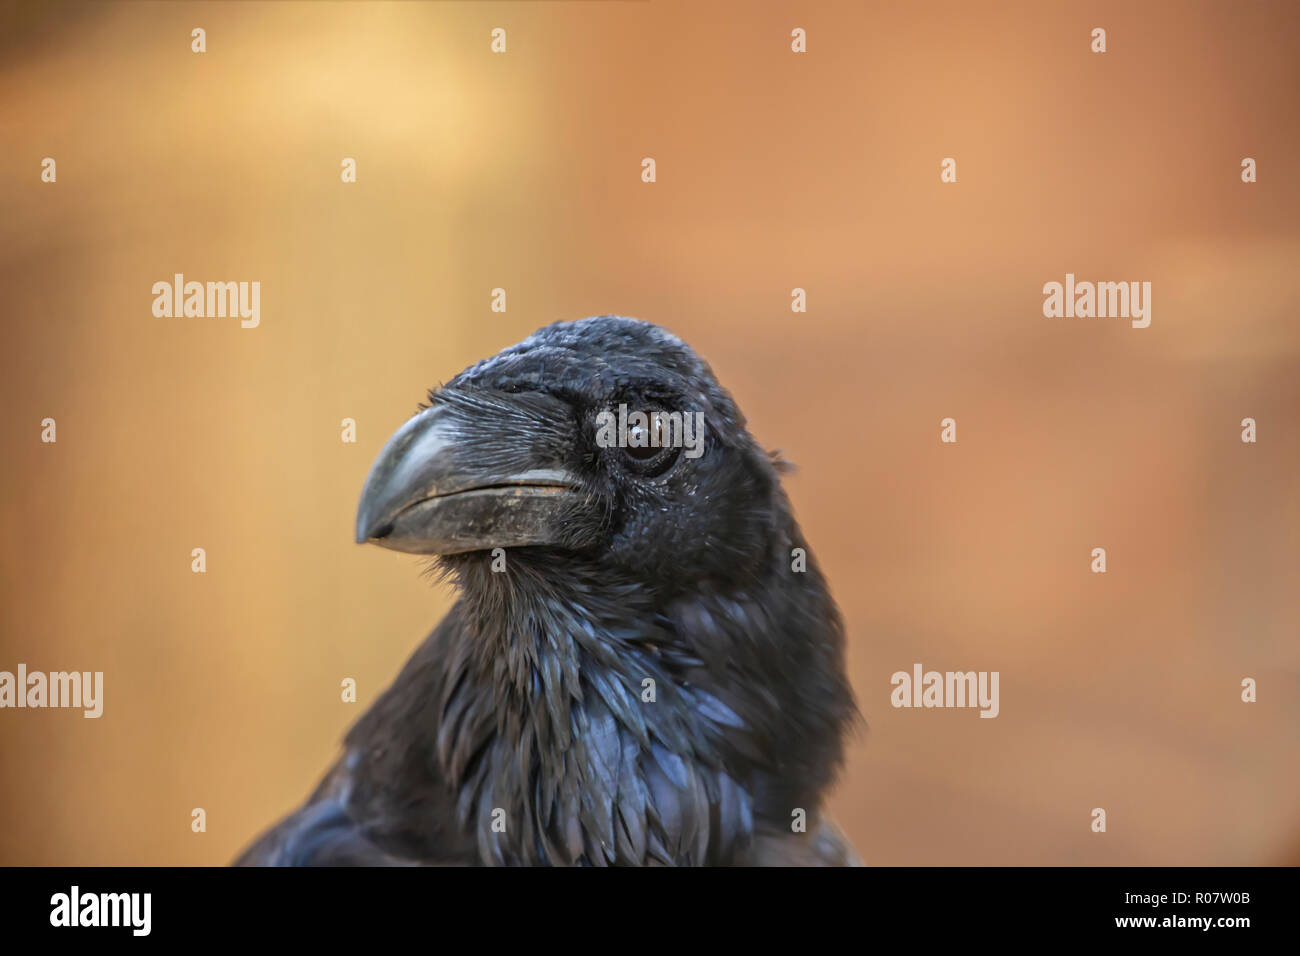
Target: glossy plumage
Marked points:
522	730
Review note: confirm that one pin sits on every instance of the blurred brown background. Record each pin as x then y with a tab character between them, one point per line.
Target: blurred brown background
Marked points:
775	170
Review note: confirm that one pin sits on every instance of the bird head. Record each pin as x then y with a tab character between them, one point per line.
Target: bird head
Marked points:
607	440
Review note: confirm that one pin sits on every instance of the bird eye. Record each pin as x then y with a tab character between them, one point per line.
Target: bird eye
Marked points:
642	454
650	448
645	443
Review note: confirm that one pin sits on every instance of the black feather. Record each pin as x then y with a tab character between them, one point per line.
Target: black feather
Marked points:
526	706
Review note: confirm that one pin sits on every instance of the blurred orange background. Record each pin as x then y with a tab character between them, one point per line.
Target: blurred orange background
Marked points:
775	170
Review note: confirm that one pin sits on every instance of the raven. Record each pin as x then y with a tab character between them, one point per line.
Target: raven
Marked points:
643	666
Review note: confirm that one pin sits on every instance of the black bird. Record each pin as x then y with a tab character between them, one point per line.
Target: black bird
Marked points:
644	664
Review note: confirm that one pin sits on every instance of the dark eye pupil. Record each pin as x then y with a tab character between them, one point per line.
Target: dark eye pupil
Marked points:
644	452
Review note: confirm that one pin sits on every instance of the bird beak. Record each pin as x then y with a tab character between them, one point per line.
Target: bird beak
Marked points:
470	478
